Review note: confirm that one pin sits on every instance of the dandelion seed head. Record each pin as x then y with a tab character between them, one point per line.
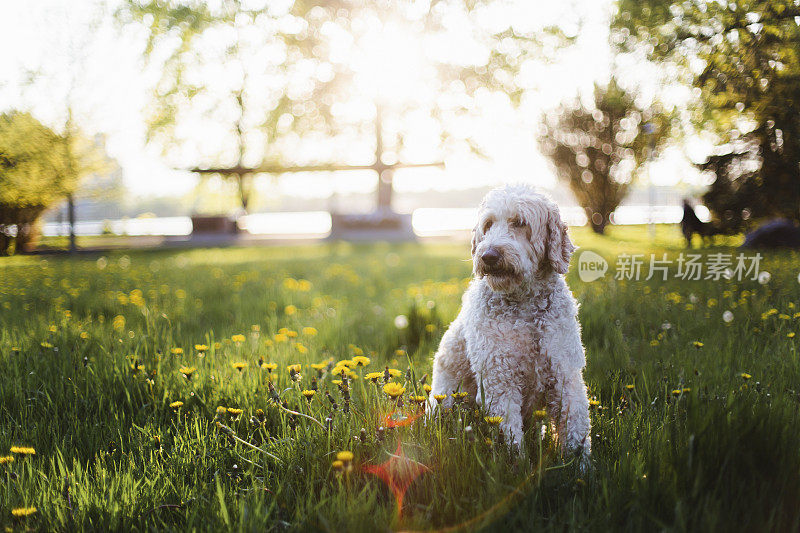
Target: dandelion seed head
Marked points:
401	321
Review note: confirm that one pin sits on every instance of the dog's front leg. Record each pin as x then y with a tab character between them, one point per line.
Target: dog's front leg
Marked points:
450	367
570	406
502	397
568	401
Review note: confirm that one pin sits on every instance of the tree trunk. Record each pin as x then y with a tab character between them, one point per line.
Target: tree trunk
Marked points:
599	229
244	194
73	246
385	190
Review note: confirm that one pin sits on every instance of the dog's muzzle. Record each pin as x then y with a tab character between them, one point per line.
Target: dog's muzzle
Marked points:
492	263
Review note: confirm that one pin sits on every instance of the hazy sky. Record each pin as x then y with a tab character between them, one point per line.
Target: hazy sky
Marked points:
79	46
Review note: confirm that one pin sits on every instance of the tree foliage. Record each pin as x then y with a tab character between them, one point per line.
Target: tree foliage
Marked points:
743	58
38	168
267	75
598	149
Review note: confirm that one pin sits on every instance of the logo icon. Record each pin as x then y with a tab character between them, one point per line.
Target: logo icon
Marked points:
591	266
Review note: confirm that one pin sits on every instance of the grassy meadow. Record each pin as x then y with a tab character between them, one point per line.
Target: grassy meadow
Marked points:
158	391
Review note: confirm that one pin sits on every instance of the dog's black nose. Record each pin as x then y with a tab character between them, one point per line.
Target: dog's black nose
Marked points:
490	257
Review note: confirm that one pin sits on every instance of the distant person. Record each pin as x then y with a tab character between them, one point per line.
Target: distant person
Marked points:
691	224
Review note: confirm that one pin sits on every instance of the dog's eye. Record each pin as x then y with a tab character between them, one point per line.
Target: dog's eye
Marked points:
517	223
487	225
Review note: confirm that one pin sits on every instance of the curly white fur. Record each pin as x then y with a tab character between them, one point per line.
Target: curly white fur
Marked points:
517	333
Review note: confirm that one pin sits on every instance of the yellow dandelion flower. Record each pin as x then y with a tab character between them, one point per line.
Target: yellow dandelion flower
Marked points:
356	350
176	351
238	338
291	333
540	413
697	344
222	410
176	405
280	337
23	450
374	376
427	388
430	328
677	392
269	366
349	363
344	456
84	335
22	512
594	403
400	352
493	420
200	348
217	345
784	316
294	368
290	310
300	348
439	397
745	376
459	395
239	365
45	345
309	394
338	465
6	459
791	335
654	342
393	372
319	366
234	411
360	360
336	381
687	390
418	399
630	386
187	371
394	389
309	331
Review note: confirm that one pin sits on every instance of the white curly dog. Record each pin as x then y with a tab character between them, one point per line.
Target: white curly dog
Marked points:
516	344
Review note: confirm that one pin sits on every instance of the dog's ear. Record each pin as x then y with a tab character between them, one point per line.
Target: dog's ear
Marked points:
559	245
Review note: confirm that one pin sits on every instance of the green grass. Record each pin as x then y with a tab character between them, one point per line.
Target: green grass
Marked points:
111	454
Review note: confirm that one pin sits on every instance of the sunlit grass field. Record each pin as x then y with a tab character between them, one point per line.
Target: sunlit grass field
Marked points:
142	382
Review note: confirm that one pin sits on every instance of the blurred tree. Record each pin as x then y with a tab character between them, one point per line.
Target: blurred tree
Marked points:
261	74
742	58
598	149
38	168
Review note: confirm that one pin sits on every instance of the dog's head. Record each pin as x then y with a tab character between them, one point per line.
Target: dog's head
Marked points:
519	235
